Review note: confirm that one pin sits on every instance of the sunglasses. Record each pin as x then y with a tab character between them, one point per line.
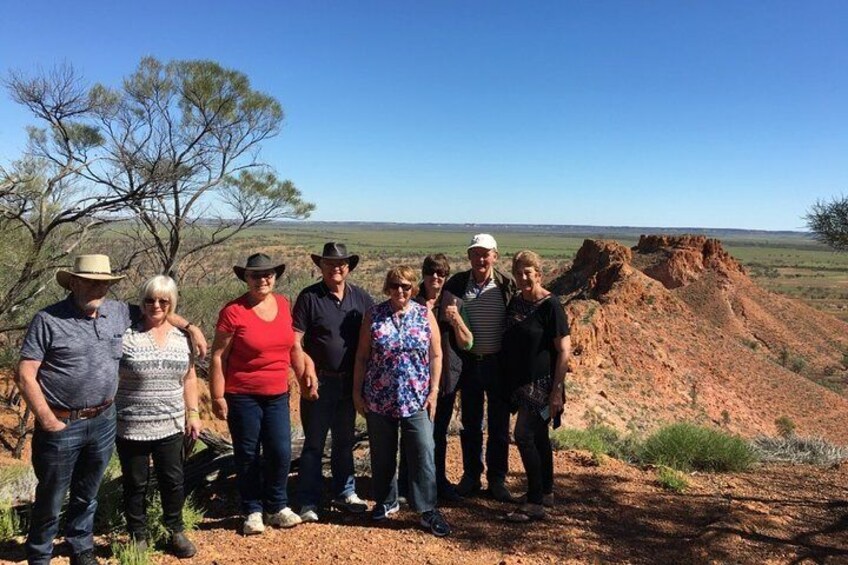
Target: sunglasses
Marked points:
439	272
406	287
263	275
164	302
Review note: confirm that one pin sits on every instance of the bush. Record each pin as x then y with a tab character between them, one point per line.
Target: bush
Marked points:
192	516
598	439
10	524
793	449
129	554
687	447
672	480
785	426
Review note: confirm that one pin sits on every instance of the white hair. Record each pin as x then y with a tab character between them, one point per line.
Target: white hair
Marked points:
161	286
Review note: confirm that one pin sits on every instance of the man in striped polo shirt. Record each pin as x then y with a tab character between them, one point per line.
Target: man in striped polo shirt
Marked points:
485	292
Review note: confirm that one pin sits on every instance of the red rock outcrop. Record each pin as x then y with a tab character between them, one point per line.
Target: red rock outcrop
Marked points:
676	261
675	330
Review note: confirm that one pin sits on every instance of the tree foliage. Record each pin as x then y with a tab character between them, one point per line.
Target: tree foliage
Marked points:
195	129
828	222
173	152
48	206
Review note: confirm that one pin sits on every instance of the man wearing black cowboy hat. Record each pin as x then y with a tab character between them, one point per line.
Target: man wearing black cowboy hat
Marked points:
68	375
326	318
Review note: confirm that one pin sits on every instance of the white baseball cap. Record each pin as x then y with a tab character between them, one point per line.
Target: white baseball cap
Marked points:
483	240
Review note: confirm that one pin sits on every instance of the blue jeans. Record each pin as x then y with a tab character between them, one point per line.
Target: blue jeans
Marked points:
478	379
534	445
416	432
262	478
444	413
74	458
333	412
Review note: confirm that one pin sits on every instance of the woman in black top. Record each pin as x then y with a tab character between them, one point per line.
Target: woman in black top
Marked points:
535	357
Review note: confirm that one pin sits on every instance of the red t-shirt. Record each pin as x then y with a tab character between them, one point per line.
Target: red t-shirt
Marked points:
260	352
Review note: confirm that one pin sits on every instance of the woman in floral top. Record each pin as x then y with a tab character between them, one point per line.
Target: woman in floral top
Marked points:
396	386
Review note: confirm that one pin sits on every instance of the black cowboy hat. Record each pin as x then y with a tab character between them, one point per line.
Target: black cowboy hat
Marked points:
333	250
259	262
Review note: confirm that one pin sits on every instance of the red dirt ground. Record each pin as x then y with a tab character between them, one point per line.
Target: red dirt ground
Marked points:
670	330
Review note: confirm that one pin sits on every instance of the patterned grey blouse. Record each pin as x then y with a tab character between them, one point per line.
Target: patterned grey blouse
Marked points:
150	402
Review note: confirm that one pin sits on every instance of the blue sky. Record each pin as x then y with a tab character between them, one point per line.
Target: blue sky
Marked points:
725	114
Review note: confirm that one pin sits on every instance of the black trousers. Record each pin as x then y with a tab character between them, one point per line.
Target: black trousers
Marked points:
168	466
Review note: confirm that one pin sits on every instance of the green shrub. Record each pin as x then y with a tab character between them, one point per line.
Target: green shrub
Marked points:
687	447
672	480
129	554
192	516
10	524
597	439
785	426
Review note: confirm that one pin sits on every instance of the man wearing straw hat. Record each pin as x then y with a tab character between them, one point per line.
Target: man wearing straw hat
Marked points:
326	319
68	375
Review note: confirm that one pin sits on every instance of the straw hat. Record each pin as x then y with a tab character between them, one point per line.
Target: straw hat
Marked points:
90	267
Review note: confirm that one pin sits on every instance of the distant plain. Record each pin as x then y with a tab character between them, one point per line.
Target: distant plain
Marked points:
790	263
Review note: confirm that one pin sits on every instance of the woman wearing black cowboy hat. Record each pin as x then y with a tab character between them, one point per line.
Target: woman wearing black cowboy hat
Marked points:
251	356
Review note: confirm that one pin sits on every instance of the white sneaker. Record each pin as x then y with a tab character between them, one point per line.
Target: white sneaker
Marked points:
309	513
351	503
253	524
285	518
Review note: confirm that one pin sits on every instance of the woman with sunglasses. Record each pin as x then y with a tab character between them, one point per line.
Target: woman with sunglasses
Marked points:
396	387
447	309
253	350
157	407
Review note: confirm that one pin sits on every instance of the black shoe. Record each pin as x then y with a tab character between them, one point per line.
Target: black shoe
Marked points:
383	511
84	558
447	493
499	492
434	521
180	546
468	486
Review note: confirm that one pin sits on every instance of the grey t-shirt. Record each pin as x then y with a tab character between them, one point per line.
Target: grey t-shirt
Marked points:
79	355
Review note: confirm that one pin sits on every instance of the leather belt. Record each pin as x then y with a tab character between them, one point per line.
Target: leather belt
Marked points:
479	357
81	413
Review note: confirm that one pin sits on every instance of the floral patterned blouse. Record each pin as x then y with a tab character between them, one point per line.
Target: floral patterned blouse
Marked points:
397	375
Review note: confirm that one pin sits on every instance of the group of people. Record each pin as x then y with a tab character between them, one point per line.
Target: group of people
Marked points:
92	367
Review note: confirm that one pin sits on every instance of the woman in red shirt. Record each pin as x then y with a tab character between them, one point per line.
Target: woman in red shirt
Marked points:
248	380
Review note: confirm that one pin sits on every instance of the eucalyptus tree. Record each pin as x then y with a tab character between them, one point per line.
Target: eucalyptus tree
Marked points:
828	222
47	206
195	130
174	151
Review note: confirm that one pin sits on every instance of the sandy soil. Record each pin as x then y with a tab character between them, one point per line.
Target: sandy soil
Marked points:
604	513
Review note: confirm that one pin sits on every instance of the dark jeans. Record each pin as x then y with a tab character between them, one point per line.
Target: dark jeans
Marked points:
135	471
534	445
444	413
417	434
74	458
254	421
332	412
478	379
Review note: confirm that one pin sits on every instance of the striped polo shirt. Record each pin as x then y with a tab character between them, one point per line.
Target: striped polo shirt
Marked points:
486	311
